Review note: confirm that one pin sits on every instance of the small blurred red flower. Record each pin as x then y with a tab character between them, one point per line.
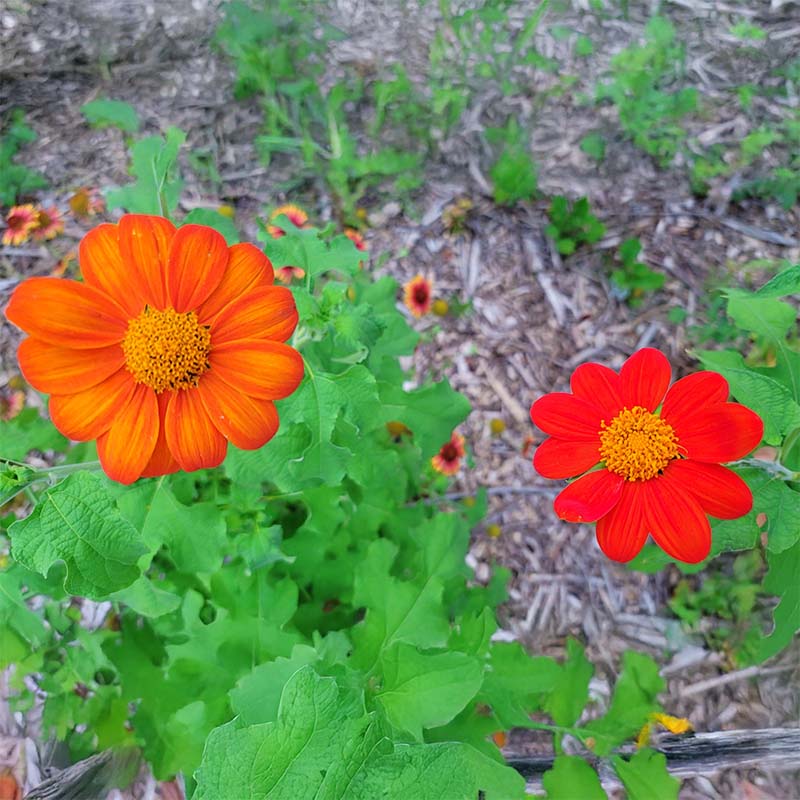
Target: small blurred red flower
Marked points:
448	459
288	274
293	213
87	202
418	295
20	223
661	467
49	223
356	238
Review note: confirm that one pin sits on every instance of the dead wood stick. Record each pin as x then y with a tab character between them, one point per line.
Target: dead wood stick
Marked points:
696	754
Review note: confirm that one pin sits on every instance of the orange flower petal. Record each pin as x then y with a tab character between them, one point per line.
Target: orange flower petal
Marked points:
598	385
126	448
676	521
644	378
198	257
567	417
62	312
191	436
555	458
260	368
690	394
247	268
144	243
88	414
265	313
590	497
54	369
162	461
102	267
718	433
622	532
720	491
246	422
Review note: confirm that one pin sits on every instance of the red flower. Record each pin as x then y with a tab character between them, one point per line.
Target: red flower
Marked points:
448	459
660	471
49	224
293	213
20	222
418	295
288	274
356	238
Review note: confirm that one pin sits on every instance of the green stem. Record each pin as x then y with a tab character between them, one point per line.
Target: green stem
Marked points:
772	467
67	469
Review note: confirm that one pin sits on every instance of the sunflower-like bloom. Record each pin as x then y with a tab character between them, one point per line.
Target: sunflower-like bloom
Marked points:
448	459
418	295
660	452
20	223
49	224
170	348
293	213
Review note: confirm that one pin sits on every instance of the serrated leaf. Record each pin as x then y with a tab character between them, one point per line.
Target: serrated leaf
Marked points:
645	776
307	249
213	219
765	316
771	400
571	690
572	778
781	580
104	113
426	690
785	282
77	522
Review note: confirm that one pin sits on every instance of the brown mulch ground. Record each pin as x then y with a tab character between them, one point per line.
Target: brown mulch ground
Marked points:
534	316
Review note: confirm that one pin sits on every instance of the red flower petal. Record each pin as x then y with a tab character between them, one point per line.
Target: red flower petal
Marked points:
144	243
162	461
690	394
622	532
260	368
555	458
52	369
676	521
63	312
125	449
721	432
567	417
600	386
264	313
590	497
720	492
191	436
85	415
102	266
644	378
247	268
198	258
245	421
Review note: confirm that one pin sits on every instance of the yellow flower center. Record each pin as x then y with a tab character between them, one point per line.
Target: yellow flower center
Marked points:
166	350
637	444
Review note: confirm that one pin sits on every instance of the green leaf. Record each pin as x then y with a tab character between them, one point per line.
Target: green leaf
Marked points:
771	400
145	598
111	113
309	250
572	778
28	431
77	522
213	219
785	282
14	611
157	189
765	316
571	690
426	690
594	145
781	580
645	776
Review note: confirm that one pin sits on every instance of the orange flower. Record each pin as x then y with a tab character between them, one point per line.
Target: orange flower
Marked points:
448	459
49	223
356	238
293	213
661	451
66	262
418	295
86	202
12	401
20	222
288	274
171	347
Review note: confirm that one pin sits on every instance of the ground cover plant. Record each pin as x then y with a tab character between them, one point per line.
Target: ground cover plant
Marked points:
243	548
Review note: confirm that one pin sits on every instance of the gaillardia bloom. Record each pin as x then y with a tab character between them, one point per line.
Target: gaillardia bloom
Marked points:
20	222
49	224
418	295
293	213
288	274
660	467
170	348
356	238
448	459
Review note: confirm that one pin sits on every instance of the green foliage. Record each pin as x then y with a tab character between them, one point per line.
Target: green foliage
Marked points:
572	224
514	173
634	277
594	145
16	180
571	777
103	113
650	112
645	777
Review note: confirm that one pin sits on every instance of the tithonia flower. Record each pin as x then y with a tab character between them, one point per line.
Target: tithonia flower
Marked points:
356	238
289	274
49	223
293	213
418	295
660	470
448	459
170	348
20	222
